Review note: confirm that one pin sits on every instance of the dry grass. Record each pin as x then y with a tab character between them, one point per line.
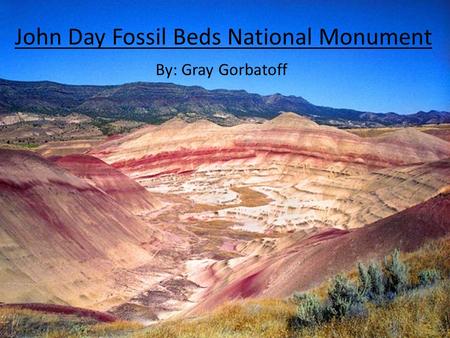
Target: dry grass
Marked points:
424	312
16	322
257	318
20	322
433	254
421	313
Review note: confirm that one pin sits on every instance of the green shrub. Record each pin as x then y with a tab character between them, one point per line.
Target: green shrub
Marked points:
344	298
310	311
376	282
365	284
298	297
428	277
396	274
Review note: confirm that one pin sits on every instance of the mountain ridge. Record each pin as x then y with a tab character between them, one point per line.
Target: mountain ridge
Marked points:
156	102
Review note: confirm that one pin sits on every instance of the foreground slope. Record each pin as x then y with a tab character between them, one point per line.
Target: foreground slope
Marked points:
417	313
62	239
309	259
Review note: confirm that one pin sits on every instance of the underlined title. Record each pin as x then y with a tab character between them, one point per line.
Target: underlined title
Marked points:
232	38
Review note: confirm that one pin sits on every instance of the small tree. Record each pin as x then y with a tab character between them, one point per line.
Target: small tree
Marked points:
344	298
396	273
376	281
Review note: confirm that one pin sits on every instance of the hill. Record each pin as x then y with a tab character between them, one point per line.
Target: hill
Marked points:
125	191
176	218
64	239
312	175
314	258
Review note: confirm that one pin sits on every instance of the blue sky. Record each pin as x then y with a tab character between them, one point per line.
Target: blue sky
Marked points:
377	80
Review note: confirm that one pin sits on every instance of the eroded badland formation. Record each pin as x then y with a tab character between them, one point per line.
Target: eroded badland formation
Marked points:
174	219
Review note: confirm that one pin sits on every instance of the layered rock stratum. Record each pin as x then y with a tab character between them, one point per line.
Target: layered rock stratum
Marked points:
304	260
177	218
312	175
63	238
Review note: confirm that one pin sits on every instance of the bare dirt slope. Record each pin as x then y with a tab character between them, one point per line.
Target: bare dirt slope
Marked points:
313	258
124	190
62	239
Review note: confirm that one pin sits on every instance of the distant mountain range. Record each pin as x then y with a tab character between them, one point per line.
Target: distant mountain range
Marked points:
159	102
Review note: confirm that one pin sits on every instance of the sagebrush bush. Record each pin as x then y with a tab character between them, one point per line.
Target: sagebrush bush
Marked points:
298	297
310	311
428	277
397	276
365	284
417	313
376	282
414	314
343	298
